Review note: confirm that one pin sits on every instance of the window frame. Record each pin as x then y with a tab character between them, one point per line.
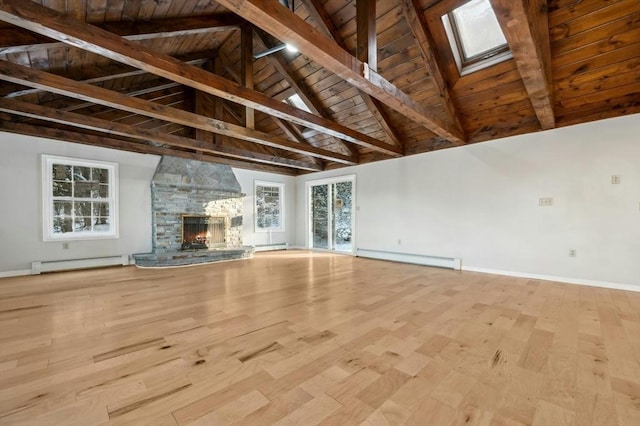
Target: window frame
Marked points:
281	200
296	101
48	199
476	62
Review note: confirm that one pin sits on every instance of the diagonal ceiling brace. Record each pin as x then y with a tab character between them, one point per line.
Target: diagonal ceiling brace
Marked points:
318	14
52	24
290	28
67	87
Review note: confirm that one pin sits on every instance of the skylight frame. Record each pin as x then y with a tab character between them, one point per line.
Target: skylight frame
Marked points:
467	65
296	101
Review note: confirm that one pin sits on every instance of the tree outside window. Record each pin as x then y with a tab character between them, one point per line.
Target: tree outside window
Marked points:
79	198
269	207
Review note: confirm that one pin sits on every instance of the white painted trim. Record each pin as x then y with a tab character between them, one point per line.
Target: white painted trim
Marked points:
48	198
16	273
354	201
321	250
418	259
281	194
65	265
270	247
568	280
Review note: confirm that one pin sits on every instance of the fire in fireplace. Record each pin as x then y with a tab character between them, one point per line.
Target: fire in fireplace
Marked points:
203	232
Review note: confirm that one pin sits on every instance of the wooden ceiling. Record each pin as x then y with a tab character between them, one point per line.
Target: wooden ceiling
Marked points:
178	77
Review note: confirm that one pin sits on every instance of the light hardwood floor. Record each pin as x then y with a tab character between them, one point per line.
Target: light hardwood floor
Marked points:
296	338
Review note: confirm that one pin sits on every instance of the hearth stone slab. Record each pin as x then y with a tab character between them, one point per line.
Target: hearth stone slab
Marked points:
182	258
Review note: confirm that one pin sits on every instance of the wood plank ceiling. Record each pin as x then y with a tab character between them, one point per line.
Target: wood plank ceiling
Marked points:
377	79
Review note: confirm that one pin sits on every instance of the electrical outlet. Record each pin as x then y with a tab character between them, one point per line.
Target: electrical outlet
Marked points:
572	252
399	242
65	246
545	202
615	179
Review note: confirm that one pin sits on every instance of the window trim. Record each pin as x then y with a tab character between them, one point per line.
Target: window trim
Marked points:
442	45
296	101
48	198
281	197
477	62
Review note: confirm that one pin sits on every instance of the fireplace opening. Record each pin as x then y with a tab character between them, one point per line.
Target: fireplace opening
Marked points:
203	232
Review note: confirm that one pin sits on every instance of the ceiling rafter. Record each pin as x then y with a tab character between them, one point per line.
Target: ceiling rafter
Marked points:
18	40
288	27
118	71
319	15
526	28
64	86
426	46
26	109
96	140
311	101
52	24
288	128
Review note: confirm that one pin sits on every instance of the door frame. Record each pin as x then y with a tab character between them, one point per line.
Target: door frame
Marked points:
328	181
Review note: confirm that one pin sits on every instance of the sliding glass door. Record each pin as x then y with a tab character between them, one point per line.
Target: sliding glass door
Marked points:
331	214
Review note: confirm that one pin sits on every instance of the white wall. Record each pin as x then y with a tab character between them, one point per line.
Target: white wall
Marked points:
21	211
480	203
250	237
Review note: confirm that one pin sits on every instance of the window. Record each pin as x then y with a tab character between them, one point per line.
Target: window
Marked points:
297	102
269	206
79	199
475	36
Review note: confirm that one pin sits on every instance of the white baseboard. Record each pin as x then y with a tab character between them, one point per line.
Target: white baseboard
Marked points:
17	273
271	247
65	265
418	259
568	280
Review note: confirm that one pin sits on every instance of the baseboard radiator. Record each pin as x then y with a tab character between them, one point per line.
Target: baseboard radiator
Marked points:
419	259
66	265
271	247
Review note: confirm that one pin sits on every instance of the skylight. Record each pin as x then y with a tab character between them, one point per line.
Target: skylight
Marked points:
475	36
297	102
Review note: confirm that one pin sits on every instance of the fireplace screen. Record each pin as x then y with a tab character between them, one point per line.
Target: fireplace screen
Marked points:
202	232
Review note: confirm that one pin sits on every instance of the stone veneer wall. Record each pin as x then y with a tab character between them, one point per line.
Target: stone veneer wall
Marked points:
193	187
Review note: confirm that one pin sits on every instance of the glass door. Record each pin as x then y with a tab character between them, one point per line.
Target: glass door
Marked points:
331	215
320	225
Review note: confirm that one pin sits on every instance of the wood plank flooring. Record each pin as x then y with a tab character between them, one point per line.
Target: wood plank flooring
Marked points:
299	338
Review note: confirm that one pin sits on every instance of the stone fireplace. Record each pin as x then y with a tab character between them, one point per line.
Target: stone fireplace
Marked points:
203	232
197	213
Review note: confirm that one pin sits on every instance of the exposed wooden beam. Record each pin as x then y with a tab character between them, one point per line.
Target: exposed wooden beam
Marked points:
121	71
288	27
284	69
246	65
323	20
38	112
102	141
17	40
366	36
64	86
288	128
424	41
526	27
52	24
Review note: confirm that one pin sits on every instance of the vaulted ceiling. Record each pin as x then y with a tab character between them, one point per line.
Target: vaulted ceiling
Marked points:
376	79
